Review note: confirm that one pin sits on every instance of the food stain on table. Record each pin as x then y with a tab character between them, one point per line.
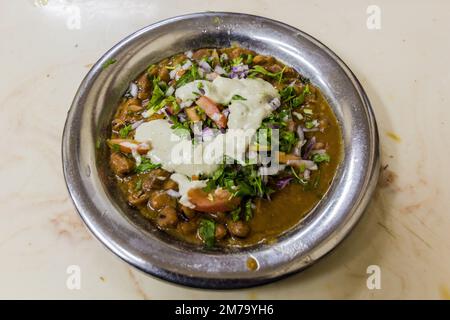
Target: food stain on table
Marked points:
393	136
140	291
444	292
69	225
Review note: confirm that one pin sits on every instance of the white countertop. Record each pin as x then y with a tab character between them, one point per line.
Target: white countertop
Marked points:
404	67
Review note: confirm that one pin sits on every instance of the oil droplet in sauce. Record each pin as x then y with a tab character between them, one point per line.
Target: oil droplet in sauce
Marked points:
252	264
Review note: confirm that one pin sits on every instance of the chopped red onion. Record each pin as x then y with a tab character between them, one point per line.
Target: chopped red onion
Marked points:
283	182
219	70
173	73
272	170
300	134
145	102
308	148
211	76
187	65
292	83
275	103
204	65
182	116
207	133
240	71
226	112
136	124
146	114
310	165
170	91
188	54
167	112
133	89
307	174
320	151
173	193
310	130
186	103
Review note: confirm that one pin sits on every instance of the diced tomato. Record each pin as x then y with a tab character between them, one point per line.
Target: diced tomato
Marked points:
212	110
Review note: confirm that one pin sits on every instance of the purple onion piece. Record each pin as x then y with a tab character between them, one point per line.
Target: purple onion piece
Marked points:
182	116
308	148
207	133
300	134
204	65
283	182
167	112
274	103
307	174
240	71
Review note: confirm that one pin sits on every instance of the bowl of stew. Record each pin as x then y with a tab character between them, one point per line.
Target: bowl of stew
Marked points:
220	150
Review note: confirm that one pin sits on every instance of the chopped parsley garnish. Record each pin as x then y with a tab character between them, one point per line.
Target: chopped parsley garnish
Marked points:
235	214
188	76
287	140
157	94
321	157
115	147
146	166
236	61
249	59
310	124
240	180
206	231
258	69
123	133
150	68
238	97
248	210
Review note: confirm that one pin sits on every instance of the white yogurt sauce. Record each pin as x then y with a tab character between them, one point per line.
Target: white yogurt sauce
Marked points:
244	114
184	185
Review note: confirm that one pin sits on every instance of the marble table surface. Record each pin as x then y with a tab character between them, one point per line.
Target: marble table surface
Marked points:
401	58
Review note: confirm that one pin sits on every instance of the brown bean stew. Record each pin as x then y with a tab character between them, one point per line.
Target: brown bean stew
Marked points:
262	146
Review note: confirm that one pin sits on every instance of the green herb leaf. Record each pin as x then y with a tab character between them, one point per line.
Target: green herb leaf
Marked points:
206	231
297	101
259	69
249	59
235	214
123	133
236	61
248	210
309	124
157	94
146	165
287	140
115	147
238	97
108	62
321	157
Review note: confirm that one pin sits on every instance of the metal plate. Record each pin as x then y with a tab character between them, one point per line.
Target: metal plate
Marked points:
134	239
